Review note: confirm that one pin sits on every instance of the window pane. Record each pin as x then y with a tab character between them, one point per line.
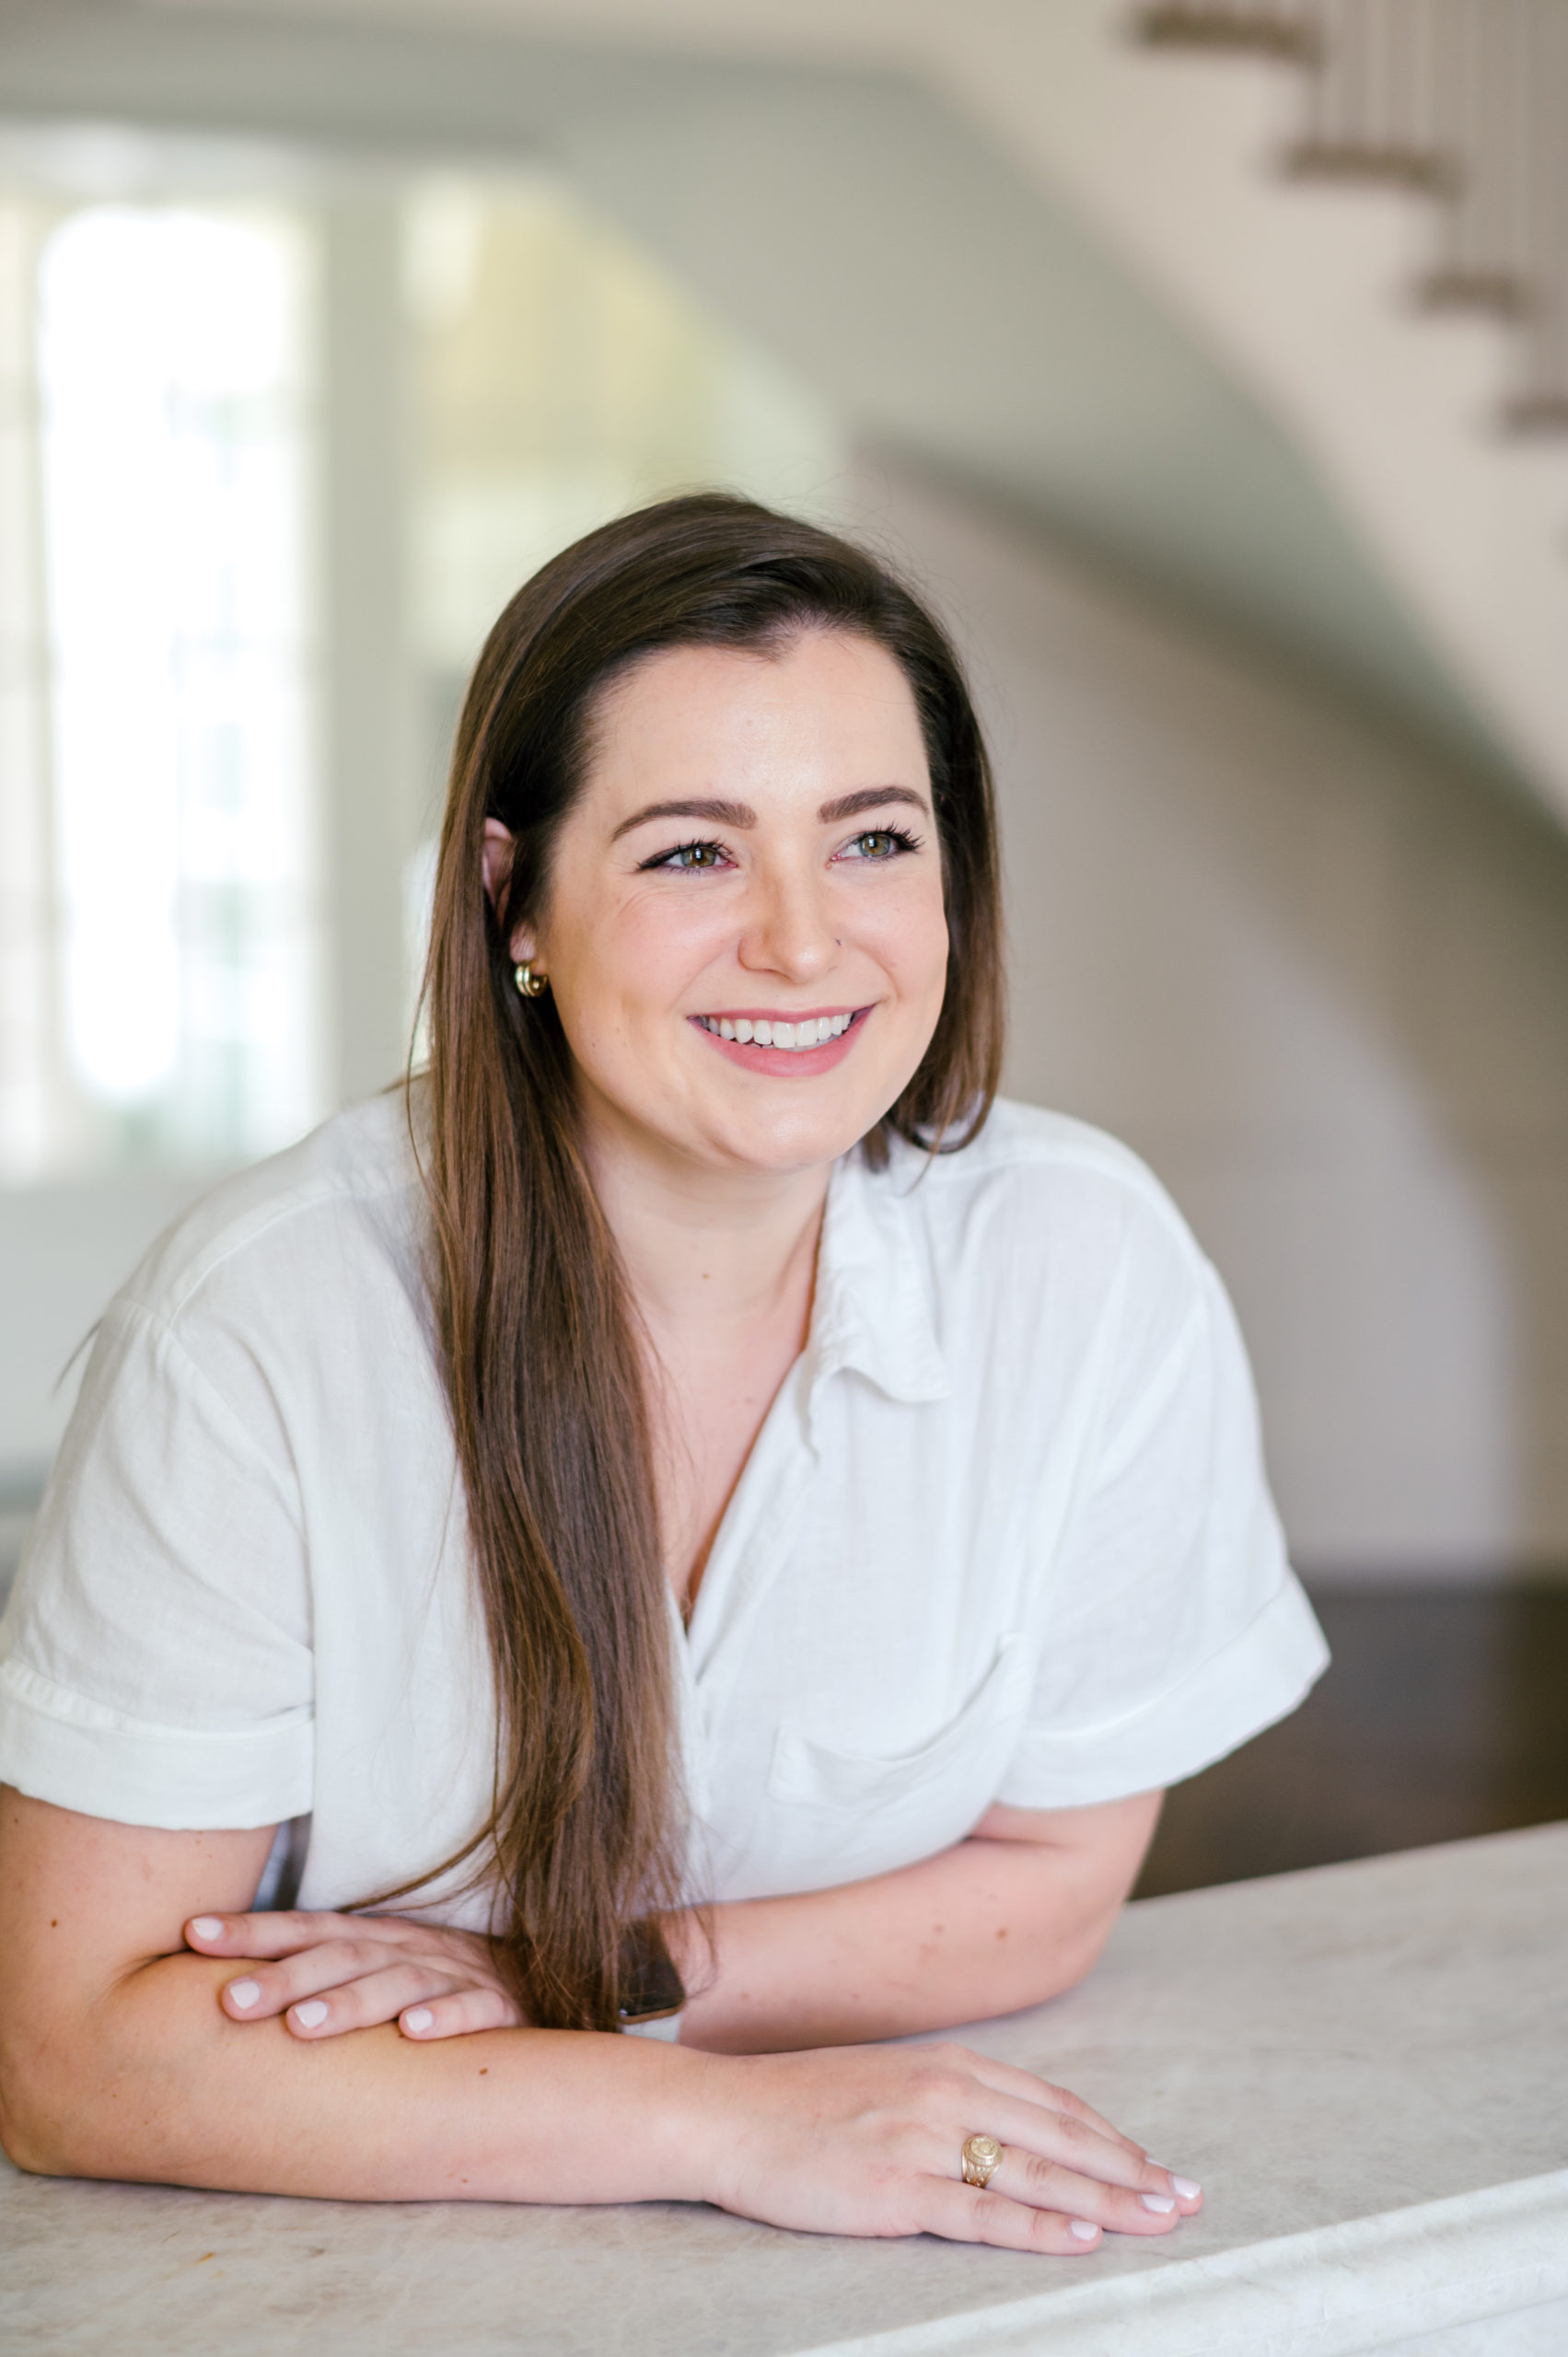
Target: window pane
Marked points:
173	449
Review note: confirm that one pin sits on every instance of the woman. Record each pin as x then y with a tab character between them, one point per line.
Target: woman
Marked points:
694	1497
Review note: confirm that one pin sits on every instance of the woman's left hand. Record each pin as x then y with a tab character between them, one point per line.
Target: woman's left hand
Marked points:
328	1973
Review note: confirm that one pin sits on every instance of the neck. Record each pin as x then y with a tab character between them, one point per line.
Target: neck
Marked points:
704	1248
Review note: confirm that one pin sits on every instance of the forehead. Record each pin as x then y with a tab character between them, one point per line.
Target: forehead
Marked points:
822	704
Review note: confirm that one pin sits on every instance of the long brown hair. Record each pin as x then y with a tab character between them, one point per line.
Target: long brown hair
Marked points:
538	1339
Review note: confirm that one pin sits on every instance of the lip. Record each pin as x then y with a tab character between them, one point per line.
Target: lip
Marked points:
783	1063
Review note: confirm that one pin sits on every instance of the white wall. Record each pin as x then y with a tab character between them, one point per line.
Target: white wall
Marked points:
1320	981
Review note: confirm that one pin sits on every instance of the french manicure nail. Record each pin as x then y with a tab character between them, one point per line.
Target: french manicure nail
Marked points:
312	2013
244	1993
1082	2229
206	1927
419	2018
1186	2188
1162	2204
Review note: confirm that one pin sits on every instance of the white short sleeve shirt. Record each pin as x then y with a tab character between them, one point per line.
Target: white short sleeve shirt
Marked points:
1005	1535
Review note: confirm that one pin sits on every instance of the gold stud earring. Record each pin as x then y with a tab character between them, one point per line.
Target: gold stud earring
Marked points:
530	982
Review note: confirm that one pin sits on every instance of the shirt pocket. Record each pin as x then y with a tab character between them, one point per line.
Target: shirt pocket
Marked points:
836	1814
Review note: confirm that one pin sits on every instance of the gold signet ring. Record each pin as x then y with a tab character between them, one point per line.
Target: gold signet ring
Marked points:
981	2157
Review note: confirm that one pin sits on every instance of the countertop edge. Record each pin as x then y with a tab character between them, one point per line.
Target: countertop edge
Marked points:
1334	2292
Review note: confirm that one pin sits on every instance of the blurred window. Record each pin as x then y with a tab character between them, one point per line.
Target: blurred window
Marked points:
163	1006
560	375
185	434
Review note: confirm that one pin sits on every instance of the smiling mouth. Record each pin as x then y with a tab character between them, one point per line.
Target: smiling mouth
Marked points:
793	1036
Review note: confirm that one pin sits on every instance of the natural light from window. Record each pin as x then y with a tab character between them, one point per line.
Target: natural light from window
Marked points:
173	482
278	439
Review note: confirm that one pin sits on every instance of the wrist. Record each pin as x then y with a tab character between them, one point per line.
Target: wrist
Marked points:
694	2099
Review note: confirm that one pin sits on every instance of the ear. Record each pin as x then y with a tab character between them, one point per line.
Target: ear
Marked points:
497	861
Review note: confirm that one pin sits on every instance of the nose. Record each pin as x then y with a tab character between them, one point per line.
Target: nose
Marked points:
788	928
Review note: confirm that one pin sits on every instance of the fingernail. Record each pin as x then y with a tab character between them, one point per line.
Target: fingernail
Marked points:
419	2018
1082	2230
1186	2188
244	1993
312	2013
206	1927
1162	2204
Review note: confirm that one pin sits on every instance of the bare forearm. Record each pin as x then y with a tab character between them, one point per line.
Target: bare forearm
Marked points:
118	2058
981	1929
168	2089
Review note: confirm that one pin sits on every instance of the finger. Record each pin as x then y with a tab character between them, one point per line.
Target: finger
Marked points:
961	2214
360	2004
464	2010
1008	2080
1047	2185
1001	2075
1062	2138
270	1988
266	1934
1188	2193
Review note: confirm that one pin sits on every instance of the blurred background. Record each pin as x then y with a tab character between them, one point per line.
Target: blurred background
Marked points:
1208	367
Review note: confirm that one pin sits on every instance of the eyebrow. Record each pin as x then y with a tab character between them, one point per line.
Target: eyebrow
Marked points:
870	797
741	815
728	814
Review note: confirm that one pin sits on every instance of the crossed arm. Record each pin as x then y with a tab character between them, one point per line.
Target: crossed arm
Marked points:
123	2052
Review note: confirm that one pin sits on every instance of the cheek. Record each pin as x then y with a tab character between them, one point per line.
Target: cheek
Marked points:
622	975
909	939
657	934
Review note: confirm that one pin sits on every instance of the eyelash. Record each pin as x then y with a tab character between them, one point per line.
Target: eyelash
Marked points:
899	837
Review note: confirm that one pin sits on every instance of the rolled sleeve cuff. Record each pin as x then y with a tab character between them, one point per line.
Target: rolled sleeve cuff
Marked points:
60	1746
1258	1677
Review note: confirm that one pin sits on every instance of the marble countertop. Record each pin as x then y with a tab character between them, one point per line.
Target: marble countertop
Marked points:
1366	2066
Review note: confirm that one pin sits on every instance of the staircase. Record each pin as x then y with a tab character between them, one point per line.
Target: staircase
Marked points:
1461	102
1360	203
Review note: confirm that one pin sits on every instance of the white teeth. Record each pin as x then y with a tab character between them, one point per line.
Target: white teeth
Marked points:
793	1037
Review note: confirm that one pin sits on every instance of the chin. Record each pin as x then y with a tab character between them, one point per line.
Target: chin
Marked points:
794	1138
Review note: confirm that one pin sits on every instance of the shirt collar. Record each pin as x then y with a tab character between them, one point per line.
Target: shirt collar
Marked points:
873	1312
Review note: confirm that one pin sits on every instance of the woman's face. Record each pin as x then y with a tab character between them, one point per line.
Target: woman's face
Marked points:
744	928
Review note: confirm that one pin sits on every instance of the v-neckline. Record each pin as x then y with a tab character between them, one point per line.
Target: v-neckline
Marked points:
719	1573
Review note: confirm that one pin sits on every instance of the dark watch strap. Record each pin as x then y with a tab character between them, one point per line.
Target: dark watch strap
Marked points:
651	1988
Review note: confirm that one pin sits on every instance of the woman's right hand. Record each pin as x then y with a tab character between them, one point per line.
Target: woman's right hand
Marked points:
868	2140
